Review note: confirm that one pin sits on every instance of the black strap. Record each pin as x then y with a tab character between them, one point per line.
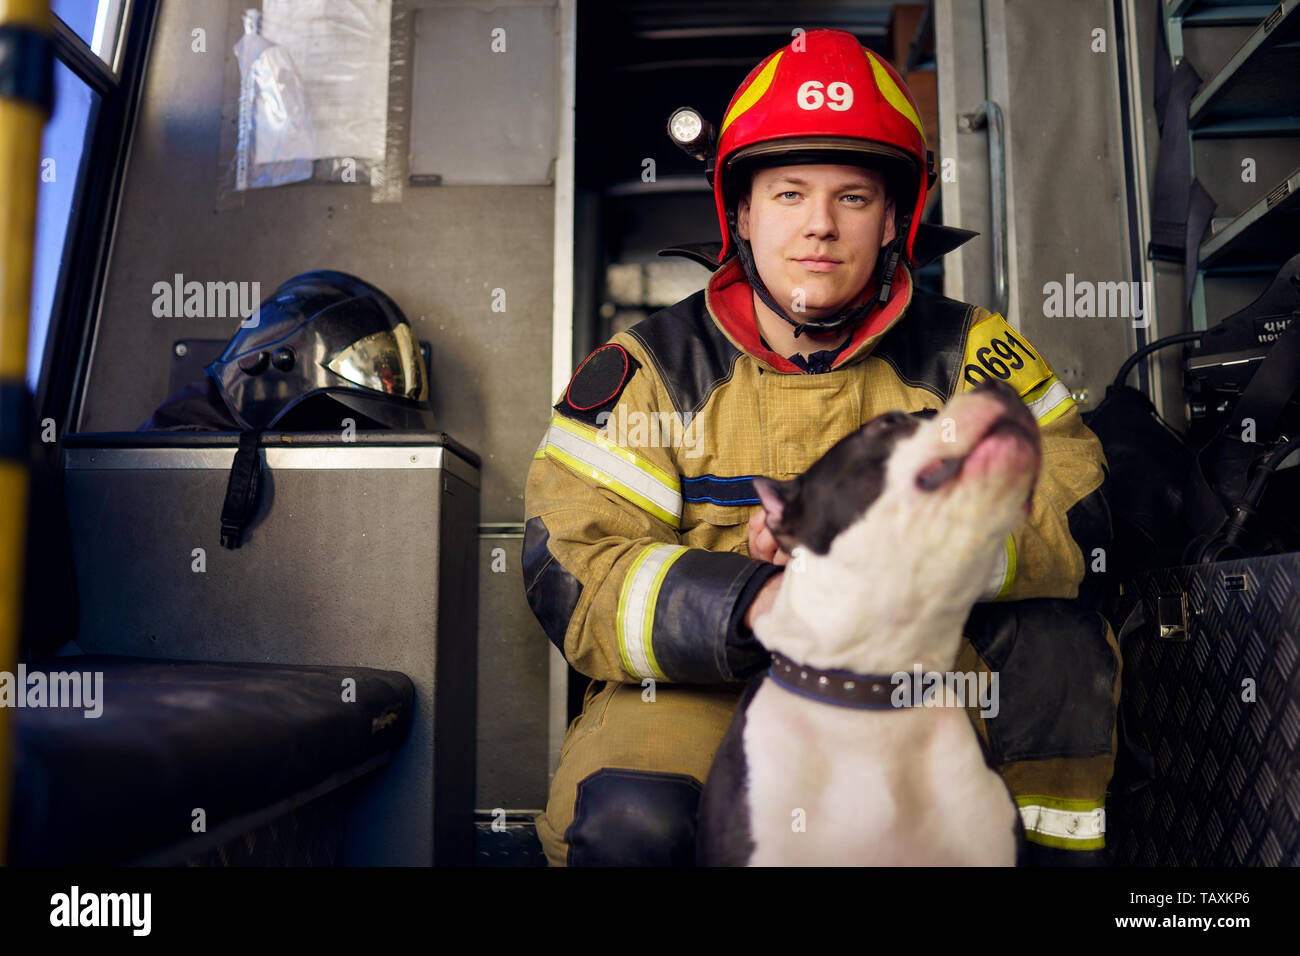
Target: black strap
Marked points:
1162	69
242	489
26	66
1200	210
1181	208
1173	178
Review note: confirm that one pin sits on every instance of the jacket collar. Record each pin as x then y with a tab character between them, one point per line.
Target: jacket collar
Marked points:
730	302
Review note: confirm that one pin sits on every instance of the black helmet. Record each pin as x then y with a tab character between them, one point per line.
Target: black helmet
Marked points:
324	344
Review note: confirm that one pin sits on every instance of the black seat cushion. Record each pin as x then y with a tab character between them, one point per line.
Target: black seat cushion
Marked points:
175	736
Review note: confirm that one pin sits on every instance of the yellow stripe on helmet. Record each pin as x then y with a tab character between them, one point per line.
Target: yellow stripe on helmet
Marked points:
890	90
753	93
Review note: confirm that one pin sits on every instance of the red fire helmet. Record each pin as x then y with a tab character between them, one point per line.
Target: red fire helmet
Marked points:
823	98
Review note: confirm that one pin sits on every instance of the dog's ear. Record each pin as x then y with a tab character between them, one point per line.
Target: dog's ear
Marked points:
774	496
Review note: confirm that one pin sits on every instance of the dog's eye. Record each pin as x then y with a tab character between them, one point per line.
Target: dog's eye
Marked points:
891	421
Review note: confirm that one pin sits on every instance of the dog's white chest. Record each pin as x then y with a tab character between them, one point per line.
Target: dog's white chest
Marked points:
831	785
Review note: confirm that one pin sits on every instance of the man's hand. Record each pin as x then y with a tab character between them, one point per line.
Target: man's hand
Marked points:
763	600
762	544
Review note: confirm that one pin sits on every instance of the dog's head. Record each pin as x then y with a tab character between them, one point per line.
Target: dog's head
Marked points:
918	506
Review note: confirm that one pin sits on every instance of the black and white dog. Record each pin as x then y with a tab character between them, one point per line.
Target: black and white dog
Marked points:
893	533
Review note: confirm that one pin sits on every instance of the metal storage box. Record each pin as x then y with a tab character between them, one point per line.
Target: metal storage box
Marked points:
362	552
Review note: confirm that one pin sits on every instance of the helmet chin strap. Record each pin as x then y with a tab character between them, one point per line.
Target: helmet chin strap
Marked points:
849	318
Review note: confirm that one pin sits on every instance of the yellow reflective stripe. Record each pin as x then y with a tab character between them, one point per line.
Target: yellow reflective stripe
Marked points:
1049	401
894	96
621	617
636	608
1011	569
753	93
593	435
594	473
588	453
1062	822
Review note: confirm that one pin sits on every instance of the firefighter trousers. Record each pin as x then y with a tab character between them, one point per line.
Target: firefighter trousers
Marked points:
634	763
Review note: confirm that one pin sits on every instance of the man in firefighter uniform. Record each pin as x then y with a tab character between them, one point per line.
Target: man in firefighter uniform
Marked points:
640	561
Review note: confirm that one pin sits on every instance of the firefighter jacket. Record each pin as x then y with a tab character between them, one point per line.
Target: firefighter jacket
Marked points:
638	500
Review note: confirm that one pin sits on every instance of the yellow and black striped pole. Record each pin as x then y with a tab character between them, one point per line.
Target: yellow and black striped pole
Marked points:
26	89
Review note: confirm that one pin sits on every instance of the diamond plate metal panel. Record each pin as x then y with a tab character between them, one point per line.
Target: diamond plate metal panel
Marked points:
1206	776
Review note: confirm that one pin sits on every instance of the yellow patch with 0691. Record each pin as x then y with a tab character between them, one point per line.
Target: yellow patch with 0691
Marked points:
994	350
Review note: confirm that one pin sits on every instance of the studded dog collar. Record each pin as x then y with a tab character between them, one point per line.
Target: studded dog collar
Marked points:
841	688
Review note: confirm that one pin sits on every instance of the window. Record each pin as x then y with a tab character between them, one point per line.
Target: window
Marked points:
63	147
99	48
98	24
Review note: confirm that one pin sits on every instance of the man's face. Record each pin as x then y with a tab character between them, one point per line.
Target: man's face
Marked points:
816	230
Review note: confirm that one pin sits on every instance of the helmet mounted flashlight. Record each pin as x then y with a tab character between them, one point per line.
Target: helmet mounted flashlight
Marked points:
694	135
690	131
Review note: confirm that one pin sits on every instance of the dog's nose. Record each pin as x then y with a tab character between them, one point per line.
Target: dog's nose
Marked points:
1015	408
1009	398
1000	390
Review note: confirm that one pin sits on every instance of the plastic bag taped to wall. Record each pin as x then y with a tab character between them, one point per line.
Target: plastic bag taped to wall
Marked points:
275	138
347	72
341	49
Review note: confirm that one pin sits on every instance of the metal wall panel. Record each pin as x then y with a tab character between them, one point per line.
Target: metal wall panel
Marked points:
1210	48
959	51
1064	169
1066	186
1219	167
440	253
513	683
482	116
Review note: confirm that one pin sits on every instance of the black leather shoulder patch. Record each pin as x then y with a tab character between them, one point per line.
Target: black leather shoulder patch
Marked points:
597	384
690	354
927	346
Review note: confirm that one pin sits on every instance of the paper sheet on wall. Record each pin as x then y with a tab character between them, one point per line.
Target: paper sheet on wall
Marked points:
340	49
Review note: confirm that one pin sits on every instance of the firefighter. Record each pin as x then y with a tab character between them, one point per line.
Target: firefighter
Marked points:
640	558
